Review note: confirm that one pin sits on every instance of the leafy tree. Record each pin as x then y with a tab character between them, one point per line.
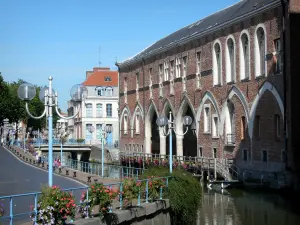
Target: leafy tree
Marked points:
4	98
13	108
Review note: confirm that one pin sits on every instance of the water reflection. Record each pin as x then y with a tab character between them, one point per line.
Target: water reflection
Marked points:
246	208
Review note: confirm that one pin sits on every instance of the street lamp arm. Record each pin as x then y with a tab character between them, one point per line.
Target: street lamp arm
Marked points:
186	130
32	116
67	118
164	133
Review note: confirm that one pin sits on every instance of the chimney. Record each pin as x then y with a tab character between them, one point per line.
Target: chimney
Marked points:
101	69
88	74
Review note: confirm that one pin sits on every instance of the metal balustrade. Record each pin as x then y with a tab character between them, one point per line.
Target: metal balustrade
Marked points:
224	167
110	170
230	139
12	213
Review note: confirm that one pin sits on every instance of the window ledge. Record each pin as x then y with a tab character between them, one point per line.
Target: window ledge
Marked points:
215	137
230	82
260	77
198	89
206	133
137	133
245	79
171	95
217	85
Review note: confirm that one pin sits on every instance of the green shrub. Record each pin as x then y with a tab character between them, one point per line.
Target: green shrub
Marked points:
184	193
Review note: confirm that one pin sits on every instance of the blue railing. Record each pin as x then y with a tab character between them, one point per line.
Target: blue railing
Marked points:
58	141
10	214
110	170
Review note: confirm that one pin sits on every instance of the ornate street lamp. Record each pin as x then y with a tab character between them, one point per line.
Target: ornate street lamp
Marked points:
163	122
47	95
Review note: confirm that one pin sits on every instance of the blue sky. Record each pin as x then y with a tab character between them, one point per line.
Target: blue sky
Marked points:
61	38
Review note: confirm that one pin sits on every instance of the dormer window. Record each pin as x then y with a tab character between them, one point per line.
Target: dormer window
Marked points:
100	92
166	71
178	67
109	91
107	78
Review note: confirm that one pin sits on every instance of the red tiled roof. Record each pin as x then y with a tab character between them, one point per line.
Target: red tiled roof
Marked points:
99	75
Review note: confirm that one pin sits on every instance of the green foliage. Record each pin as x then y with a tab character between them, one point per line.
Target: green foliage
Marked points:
184	192
55	206
13	108
154	186
80	140
131	190
99	195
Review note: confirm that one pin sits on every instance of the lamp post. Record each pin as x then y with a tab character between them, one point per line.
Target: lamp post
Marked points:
105	129
163	122
47	95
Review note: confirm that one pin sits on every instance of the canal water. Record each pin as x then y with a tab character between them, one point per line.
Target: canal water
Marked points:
242	207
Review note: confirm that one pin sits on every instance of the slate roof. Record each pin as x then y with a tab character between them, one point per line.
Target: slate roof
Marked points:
221	17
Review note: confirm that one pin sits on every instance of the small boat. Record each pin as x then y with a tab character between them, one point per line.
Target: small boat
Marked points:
223	184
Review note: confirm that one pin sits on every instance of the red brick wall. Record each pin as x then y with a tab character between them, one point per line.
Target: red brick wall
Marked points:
272	23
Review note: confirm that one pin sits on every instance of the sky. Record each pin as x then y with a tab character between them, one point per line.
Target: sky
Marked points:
66	38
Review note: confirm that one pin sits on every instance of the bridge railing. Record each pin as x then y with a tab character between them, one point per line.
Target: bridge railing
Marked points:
13	213
226	167
110	170
58	142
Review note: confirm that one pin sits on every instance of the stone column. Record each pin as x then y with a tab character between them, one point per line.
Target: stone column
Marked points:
162	145
78	161
179	144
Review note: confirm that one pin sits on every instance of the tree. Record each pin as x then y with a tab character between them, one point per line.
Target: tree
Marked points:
4	97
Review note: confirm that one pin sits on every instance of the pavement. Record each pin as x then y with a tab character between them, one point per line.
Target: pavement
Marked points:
80	176
18	176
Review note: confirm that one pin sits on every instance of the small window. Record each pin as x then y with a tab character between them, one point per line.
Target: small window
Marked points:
109	91
166	71
108	110
200	152
245	155
198	69
184	66
257	126
215	152
107	78
277	44
125	124
243	127
277	125
99	92
215	132
172	70
160	73
178	67
264	156
206	120
137	124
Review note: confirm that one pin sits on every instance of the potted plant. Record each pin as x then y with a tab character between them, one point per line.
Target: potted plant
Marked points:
154	186
131	189
100	196
55	206
1	210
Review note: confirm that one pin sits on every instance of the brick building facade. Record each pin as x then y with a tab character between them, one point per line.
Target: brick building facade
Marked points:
226	71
